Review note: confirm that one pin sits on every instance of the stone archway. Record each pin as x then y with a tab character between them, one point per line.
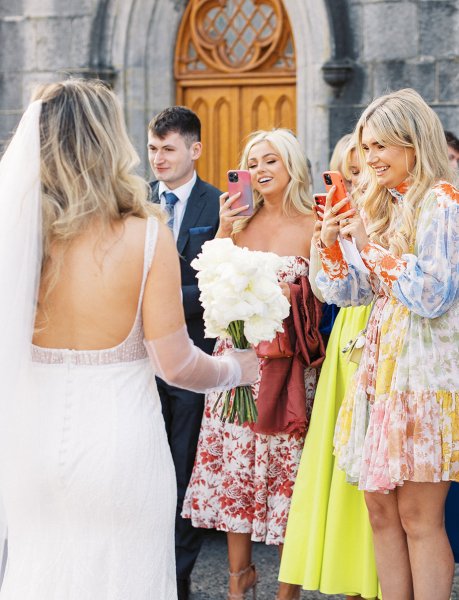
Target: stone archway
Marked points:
133	42
313	39
137	41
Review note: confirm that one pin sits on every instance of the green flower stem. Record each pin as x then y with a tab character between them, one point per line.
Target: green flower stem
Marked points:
236	330
239	403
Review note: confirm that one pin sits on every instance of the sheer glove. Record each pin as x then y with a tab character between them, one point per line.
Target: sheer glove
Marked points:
180	363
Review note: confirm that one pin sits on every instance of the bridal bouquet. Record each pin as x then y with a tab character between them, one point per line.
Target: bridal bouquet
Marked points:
242	300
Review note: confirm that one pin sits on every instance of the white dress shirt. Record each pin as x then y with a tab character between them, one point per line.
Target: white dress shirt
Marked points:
183	193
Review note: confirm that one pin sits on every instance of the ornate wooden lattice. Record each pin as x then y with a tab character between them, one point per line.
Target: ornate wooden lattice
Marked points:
235	67
229	37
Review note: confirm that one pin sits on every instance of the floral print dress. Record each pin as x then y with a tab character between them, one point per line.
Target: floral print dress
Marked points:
242	482
400	418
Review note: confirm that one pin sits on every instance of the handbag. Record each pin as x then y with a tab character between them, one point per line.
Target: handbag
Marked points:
353	350
279	347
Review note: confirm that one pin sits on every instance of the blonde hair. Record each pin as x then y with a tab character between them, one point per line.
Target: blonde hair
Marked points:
346	158
346	164
403	119
297	197
87	164
337	157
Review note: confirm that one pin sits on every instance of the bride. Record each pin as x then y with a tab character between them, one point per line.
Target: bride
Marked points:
90	310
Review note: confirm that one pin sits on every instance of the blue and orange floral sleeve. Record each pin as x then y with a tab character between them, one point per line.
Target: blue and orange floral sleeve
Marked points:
426	282
341	283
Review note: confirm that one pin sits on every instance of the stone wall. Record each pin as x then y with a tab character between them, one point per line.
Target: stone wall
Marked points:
396	44
380	44
40	40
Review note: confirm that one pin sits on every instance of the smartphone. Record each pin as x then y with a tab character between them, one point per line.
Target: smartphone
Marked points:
319	201
239	181
334	178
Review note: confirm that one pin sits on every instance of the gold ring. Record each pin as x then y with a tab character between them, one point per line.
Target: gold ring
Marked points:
332	211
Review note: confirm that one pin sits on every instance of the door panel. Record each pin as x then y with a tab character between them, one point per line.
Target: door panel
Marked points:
285	109
229	114
217	108
266	107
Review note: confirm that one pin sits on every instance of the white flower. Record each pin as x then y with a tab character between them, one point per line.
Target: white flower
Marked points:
214	253
237	284
258	329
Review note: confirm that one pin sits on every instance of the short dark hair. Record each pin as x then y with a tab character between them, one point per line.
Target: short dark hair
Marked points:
177	119
452	140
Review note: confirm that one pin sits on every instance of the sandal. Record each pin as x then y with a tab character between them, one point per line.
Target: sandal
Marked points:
252	586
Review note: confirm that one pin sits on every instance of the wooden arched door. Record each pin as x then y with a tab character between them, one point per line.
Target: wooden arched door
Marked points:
235	67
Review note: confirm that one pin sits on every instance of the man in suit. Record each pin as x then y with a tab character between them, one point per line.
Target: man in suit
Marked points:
174	145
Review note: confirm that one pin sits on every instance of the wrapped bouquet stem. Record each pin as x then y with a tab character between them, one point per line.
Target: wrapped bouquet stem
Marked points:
243	301
239	402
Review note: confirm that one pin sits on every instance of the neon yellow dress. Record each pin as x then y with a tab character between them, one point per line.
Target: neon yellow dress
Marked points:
329	543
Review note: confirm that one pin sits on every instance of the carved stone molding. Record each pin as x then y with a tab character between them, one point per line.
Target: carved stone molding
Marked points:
337	72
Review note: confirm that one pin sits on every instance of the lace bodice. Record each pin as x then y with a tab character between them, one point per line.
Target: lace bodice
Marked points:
130	349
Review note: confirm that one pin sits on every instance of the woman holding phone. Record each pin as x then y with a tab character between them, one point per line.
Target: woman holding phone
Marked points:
242	479
397	434
329	543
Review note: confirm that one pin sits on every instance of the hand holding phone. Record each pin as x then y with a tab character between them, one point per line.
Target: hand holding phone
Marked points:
338	213
334	178
319	203
239	182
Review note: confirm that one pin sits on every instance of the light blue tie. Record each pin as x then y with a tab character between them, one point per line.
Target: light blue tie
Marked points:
171	201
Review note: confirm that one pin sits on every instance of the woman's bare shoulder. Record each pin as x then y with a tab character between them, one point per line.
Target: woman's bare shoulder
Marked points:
306	217
301	221
134	225
133	230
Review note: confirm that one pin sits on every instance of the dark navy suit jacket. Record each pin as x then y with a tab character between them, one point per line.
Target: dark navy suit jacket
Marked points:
199	224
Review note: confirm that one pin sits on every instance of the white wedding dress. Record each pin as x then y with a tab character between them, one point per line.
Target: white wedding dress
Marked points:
87	479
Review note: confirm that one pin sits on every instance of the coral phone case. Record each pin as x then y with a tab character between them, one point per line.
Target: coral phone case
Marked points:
334	178
239	181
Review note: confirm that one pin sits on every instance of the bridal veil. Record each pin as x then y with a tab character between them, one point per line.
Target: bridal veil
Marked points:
20	266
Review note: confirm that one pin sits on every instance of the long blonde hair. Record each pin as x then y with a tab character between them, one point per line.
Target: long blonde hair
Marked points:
337	157
403	119
297	197
346	158
87	164
346	164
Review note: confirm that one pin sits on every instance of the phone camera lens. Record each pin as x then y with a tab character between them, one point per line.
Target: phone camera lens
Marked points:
327	178
233	177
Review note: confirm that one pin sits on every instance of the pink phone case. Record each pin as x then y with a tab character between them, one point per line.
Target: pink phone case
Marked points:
239	181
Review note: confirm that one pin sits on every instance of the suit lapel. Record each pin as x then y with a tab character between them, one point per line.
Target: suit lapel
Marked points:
194	207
